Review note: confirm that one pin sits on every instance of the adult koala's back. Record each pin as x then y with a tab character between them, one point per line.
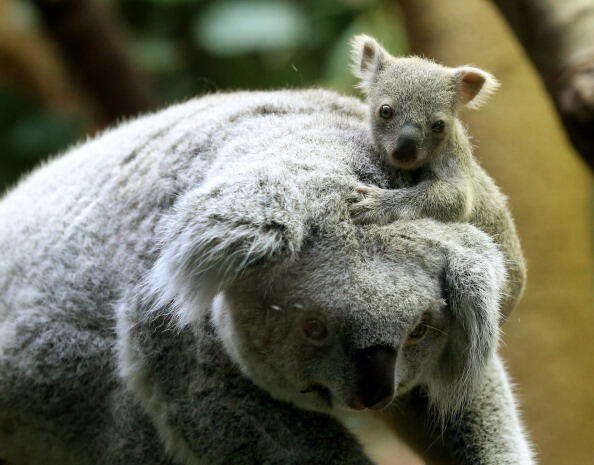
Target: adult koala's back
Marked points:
86	222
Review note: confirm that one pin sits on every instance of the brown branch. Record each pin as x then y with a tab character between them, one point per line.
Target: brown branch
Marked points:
558	36
29	63
90	38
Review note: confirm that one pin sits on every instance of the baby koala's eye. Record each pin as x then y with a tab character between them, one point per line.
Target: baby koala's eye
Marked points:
438	126
417	334
386	111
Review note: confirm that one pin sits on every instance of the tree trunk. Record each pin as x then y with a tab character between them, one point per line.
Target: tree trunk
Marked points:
549	339
558	37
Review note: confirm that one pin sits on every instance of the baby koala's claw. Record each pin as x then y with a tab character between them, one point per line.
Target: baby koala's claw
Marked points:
363	189
366	205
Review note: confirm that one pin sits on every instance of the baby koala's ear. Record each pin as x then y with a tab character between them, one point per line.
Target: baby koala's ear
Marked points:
368	58
474	86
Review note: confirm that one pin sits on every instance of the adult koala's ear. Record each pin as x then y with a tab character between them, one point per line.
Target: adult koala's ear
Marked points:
217	234
472	281
474	86
368	58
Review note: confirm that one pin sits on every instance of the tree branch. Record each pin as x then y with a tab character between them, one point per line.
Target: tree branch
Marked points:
91	40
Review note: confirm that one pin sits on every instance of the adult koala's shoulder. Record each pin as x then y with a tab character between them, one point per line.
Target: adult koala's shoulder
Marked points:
91	219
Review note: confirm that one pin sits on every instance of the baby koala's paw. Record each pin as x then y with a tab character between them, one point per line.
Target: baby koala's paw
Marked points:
367	205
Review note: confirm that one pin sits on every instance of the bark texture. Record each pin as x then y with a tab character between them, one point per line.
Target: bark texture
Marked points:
558	37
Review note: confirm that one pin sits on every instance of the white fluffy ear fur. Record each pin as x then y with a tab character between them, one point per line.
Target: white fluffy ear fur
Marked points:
474	86
368	56
472	286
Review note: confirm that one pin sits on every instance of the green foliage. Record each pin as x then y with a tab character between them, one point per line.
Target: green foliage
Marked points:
29	132
191	47
234	27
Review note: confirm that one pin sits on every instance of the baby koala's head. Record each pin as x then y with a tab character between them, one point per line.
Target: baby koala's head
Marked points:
414	101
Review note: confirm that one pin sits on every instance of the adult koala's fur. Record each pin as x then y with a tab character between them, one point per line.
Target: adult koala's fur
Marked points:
156	281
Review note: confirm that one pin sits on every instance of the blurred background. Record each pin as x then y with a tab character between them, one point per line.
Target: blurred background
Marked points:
69	68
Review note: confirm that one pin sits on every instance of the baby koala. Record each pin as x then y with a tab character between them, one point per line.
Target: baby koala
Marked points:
413	104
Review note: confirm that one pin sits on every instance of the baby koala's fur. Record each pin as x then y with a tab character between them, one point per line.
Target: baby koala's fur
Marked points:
413	114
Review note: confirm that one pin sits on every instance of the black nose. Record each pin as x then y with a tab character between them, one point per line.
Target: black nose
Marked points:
407	144
374	387
406	150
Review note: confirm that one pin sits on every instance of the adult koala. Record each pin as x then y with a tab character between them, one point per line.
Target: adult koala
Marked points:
188	288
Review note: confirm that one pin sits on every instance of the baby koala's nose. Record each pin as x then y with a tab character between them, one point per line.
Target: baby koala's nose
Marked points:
407	144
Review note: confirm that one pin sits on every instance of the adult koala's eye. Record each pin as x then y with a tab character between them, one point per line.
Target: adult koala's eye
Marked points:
417	334
438	126
315	329
386	111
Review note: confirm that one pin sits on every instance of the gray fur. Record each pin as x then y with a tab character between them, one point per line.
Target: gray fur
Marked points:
154	281
444	181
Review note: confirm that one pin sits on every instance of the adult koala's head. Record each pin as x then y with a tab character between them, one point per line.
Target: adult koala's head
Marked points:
365	314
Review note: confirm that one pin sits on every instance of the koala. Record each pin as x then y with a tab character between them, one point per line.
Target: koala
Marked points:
413	116
189	288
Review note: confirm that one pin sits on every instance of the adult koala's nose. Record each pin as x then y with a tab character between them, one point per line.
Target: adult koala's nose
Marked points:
374	385
407	144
